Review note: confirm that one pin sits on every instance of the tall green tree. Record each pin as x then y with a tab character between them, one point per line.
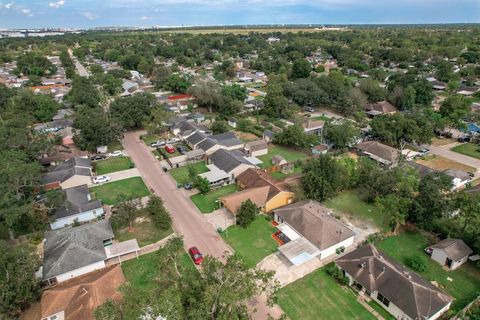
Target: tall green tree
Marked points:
247	213
159	214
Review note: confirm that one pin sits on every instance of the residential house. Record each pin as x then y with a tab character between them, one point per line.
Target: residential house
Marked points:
71	173
129	86
380	152
450	253
75	251
268	195
78	298
256	148
183	128
308	230
403	293
78	207
227	141
460	178
278	160
320	149
313	126
232	162
232	122
378	108
194	140
268	135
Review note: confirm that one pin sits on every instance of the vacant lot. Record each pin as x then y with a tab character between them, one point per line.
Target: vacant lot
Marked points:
465	284
208	202
143	230
468	149
357	210
441	164
112	165
318	296
290	155
109	193
254	243
181	174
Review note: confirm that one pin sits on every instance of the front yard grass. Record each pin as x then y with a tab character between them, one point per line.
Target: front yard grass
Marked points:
279	175
150	138
144	231
290	155
208	202
131	187
350	203
318	296
115	146
384	313
254	243
181	174
465	284
112	165
468	149
441	164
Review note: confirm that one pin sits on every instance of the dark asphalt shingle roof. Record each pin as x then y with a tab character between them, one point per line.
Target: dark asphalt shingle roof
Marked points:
67	169
227	160
78	200
196	138
207	144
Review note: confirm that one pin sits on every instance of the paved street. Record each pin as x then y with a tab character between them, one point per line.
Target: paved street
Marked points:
444	151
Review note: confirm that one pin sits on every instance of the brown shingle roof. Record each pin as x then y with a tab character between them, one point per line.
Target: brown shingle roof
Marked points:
375	271
456	249
256	145
379	150
314	222
78	298
382	106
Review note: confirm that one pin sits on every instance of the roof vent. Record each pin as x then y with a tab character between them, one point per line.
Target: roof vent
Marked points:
363	265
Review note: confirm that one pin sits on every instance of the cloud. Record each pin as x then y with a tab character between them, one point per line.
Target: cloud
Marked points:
9	5
14	7
144	18
56	5
88	15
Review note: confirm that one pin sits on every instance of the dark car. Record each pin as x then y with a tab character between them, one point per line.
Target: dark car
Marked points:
464	138
188	186
98	157
196	255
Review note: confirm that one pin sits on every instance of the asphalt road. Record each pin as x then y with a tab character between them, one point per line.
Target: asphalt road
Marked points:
444	151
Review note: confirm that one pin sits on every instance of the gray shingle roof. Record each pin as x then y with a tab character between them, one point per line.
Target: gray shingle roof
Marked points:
77	201
196	138
227	160
456	249
375	271
67	169
72	248
207	144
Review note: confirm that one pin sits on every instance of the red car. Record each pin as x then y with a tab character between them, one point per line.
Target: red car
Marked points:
169	149
196	255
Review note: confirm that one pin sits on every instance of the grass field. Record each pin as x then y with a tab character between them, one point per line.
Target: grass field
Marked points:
254	243
349	202
181	174
318	296
208	202
323	118
439	163
290	155
112	165
468	149
150	138
465	285
278	175
143	230
131	187
114	146
384	313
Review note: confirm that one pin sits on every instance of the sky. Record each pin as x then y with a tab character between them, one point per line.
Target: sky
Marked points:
144	13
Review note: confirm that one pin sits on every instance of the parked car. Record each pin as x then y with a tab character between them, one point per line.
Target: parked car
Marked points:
156	144
182	149
309	109
52	129
173	140
196	255
98	157
100	179
116	153
464	138
169	148
188	186
424	152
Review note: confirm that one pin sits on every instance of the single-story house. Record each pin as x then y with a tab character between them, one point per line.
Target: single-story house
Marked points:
183	128
129	86
278	160
401	292
256	148
459	178
451	253
232	162
71	173
320	149
78	207
380	107
309	231
194	140
380	152
268	135
259	188
232	122
228	141
78	298
313	126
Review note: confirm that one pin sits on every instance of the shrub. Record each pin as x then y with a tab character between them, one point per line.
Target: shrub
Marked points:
416	263
337	274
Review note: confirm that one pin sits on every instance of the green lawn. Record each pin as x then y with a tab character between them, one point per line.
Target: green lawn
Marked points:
318	296
254	243
150	138
278	175
350	203
208	202
114	146
466	280
468	149
144	231
291	155
181	174
323	118
112	165
142	272
384	313
109	192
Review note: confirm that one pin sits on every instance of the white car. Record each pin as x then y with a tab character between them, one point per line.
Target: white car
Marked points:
100	179
173	140
117	153
157	144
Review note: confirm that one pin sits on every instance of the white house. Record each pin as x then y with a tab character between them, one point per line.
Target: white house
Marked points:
401	292
309	231
451	253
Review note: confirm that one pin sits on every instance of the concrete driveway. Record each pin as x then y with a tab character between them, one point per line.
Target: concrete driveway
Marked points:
220	219
120	175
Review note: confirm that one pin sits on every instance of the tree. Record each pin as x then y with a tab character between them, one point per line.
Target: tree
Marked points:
45	108
219	127
207	94
125	213
247	213
395	209
234	92
342	133
160	216
301	68
201	184
18	284
83	93
372	90
159	119
131	112
276	104
32	63
294	136
454	108
176	83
